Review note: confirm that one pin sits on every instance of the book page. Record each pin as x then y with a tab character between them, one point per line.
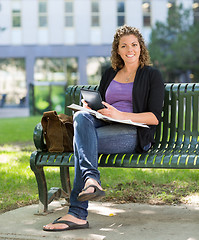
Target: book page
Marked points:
98	115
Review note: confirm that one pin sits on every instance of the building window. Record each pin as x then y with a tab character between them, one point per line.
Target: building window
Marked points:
146	9
95	13
13	81
68	8
43	18
56	70
51	75
196	11
96	66
16	14
171	4
120	13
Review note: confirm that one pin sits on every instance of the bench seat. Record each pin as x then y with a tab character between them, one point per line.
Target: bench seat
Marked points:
176	142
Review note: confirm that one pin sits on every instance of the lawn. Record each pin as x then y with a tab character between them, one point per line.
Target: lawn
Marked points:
17	130
18	185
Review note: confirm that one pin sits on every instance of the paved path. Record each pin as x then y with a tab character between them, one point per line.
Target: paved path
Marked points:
14	112
107	221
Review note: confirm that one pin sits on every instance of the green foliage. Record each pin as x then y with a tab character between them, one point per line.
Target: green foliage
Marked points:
193	50
174	45
48	98
6	63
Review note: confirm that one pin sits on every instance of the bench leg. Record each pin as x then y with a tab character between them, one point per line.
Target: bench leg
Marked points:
56	193
41	183
46	197
42	188
65	180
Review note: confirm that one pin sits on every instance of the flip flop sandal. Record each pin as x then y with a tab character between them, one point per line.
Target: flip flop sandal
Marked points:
71	226
96	195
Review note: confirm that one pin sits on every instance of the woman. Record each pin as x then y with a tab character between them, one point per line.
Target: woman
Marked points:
130	89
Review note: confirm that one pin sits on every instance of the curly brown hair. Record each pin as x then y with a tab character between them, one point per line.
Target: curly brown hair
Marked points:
116	61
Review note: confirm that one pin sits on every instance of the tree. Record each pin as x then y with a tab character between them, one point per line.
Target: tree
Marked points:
174	46
192	39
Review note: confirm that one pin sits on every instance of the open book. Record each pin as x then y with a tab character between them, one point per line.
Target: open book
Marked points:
98	115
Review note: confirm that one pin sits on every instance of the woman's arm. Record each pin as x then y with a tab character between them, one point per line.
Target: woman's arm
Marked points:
146	117
152	113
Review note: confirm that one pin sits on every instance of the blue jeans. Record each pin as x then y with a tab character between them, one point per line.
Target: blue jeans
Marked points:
93	136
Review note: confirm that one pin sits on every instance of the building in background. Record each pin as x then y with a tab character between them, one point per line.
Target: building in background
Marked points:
67	41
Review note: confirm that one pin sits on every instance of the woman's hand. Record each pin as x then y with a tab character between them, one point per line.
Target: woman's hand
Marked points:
110	111
146	117
85	104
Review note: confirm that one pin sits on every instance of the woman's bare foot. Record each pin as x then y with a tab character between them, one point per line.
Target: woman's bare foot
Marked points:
90	182
67	217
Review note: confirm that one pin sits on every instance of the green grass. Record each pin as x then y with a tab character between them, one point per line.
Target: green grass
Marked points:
17	129
18	184
154	186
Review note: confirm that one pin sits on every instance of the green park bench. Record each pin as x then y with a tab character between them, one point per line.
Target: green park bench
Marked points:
176	142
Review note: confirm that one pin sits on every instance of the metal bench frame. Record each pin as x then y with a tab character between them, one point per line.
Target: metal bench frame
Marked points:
176	142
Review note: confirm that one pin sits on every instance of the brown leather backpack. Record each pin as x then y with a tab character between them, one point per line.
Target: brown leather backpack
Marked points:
58	131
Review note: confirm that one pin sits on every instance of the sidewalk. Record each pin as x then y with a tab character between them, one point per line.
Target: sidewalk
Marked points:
107	221
14	112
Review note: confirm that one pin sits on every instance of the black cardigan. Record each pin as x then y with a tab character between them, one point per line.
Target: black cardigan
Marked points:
147	96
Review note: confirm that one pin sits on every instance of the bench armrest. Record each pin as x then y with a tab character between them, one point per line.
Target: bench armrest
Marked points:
39	138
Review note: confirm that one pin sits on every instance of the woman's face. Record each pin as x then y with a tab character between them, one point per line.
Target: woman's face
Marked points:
129	49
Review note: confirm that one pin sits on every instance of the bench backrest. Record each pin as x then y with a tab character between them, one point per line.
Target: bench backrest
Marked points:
179	126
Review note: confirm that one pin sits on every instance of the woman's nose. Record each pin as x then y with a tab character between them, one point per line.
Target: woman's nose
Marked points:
130	48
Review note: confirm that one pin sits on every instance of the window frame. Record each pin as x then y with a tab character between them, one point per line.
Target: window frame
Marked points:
95	14
146	13
42	14
121	14
68	14
17	14
195	12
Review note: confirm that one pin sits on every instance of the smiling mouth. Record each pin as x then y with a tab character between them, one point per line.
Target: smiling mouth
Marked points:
130	56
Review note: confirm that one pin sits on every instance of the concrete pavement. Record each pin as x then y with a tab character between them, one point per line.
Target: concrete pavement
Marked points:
14	112
107	221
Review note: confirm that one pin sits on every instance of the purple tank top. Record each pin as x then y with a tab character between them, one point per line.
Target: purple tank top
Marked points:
119	95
